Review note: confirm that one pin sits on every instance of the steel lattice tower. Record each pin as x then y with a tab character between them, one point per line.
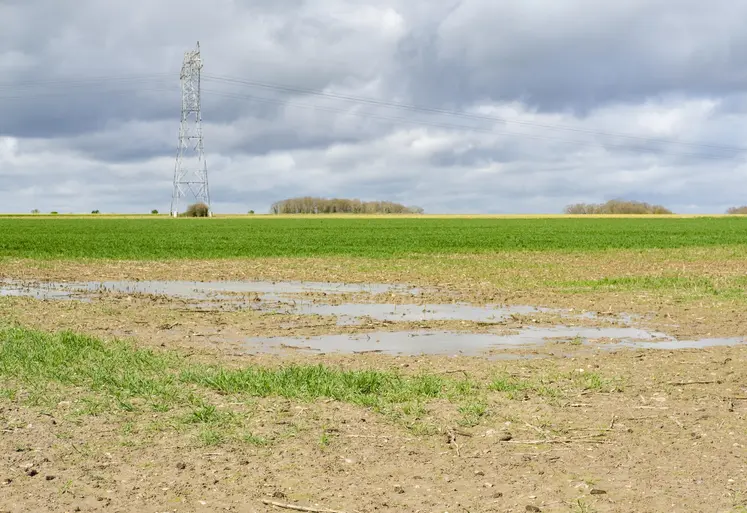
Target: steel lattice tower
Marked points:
190	171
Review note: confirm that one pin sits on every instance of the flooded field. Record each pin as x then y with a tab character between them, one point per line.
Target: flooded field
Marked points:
397	394
312	300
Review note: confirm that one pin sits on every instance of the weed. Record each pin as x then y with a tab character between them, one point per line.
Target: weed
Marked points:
414	409
324	440
160	407
419	428
67	487
472	413
40	396
582	507
255	440
508	384
589	380
92	405
11	394
205	415
125	405
211	437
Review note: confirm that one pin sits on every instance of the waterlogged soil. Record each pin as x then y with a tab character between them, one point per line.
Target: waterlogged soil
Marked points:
689	293
661	427
668	437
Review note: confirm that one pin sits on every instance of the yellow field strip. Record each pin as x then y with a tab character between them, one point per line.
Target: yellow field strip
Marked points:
375	216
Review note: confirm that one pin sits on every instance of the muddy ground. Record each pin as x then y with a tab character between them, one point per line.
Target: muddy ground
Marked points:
599	427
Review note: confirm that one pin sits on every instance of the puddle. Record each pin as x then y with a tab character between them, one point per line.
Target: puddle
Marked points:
269	296
674	344
195	290
474	344
351	313
40	292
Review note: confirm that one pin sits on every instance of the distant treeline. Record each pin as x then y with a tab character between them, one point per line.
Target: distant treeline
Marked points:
737	210
616	207
311	205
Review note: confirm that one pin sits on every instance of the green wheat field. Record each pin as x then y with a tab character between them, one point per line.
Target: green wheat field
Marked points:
166	238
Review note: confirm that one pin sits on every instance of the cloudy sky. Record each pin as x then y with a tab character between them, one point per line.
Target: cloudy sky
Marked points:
510	106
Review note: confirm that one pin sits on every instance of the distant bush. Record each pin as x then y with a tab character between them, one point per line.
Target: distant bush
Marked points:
738	210
616	207
94	211
197	210
154	211
54	213
35	211
251	212
312	205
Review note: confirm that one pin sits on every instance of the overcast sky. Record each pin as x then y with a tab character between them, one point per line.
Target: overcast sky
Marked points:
89	102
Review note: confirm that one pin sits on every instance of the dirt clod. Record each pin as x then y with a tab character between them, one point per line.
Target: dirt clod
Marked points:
181	465
399	489
597	491
533	509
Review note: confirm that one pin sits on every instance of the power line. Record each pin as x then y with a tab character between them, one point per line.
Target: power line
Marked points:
115	90
161	78
452	126
85	81
431	110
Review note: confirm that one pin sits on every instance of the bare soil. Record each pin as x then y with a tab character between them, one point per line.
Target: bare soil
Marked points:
667	432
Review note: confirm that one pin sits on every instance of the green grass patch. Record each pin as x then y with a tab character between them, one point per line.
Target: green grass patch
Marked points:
694	286
257	441
472	413
210	437
116	378
551	385
165	238
115	375
209	414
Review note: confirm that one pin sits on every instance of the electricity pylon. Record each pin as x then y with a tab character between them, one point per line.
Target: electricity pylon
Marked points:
190	171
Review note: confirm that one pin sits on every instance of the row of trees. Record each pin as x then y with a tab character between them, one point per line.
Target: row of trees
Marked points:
312	205
616	207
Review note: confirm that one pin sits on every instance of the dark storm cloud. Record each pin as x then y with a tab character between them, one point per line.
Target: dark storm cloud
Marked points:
578	54
70	113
